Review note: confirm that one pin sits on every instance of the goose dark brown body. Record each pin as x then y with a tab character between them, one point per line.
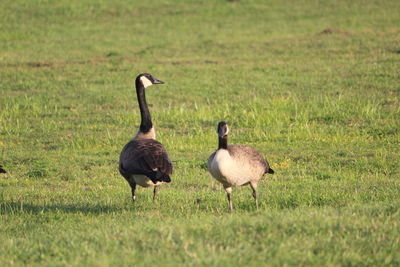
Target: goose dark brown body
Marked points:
145	157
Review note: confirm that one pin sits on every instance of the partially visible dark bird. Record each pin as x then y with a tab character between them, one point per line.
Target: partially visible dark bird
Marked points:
144	161
2	170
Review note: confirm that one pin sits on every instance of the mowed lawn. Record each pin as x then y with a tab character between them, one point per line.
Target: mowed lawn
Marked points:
314	86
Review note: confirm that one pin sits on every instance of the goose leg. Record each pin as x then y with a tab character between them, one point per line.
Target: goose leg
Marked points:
228	194
254	188
133	190
155	192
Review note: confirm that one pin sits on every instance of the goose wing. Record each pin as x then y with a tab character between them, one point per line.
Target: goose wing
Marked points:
148	157
249	155
210	159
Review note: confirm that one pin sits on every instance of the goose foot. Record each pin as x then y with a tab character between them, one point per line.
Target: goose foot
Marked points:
155	192
228	194
254	188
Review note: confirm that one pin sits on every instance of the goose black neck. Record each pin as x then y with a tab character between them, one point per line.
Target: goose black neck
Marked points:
223	142
146	123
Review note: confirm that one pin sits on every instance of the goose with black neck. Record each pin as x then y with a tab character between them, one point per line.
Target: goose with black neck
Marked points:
144	161
236	165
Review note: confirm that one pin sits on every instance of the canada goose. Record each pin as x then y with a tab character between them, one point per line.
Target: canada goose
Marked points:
143	160
236	165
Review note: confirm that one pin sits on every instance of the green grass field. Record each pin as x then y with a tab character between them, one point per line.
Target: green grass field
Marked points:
313	85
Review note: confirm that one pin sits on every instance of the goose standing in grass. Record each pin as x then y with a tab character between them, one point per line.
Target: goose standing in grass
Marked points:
144	161
236	165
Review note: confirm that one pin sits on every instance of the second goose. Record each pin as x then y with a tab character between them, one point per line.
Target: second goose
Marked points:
236	165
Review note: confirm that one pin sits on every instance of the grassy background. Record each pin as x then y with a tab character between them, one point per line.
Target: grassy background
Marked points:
313	85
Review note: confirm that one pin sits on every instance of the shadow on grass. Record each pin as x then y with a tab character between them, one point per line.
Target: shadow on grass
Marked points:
29	208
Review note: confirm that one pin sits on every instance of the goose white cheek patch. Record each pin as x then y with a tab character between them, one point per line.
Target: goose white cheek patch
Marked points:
146	82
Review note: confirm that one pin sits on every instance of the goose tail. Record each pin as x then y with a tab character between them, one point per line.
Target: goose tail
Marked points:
158	176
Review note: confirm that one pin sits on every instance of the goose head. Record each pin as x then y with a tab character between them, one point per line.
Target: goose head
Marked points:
147	80
222	129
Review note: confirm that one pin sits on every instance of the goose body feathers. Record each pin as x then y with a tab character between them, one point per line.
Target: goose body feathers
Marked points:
237	165
145	162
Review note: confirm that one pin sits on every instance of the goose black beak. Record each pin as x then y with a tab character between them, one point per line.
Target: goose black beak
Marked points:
156	81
